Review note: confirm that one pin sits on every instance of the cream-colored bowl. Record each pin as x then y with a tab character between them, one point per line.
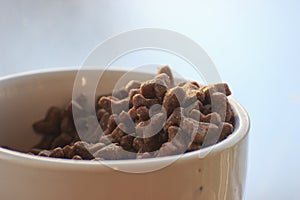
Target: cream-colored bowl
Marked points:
216	172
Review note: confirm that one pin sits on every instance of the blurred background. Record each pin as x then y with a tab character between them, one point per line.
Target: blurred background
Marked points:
255	45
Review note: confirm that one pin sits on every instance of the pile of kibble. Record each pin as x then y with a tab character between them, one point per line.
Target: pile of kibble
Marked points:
147	119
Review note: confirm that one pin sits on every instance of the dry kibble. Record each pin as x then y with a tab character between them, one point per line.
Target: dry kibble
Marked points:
120	94
133	92
57	153
221	105
197	106
143	155
126	123
51	124
132	113
104	121
80	148
150	127
67	125
143	113
147	119
172	132
198	130
112	124
193	147
168	149
139	100
167	71
68	151
138	143
34	151
226	128
174	119
209	118
114	106
173	99
77	157
192	94
95	147
44	153
147	89
100	113
126	142
105	139
214	118
117	134
150	144
113	152
61	140
211	89
46	142
206	109
132	85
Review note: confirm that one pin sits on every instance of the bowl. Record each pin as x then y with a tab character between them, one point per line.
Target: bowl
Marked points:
215	172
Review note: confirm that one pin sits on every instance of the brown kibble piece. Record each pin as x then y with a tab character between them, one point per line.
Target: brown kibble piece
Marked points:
211	89
67	125
192	94
132	114
105	139
80	148
139	100
168	149
209	118
198	130
143	155
120	94
143	113
138	143
61	140
132	85
95	147
77	157
112	124
221	105
51	124
150	144
113	152
193	147
173	99
100	113
126	124
68	151
114	106
152	126
133	92
174	119
104	121
45	142
166	70
44	153
117	134
126	142
147	89
57	153
226	130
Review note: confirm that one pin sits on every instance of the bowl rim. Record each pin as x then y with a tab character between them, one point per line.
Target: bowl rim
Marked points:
241	131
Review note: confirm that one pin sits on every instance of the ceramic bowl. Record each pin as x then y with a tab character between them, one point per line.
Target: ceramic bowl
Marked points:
216	172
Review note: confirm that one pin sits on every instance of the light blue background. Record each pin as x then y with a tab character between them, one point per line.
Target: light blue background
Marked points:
255	45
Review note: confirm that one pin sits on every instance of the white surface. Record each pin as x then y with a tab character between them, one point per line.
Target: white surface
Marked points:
255	45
